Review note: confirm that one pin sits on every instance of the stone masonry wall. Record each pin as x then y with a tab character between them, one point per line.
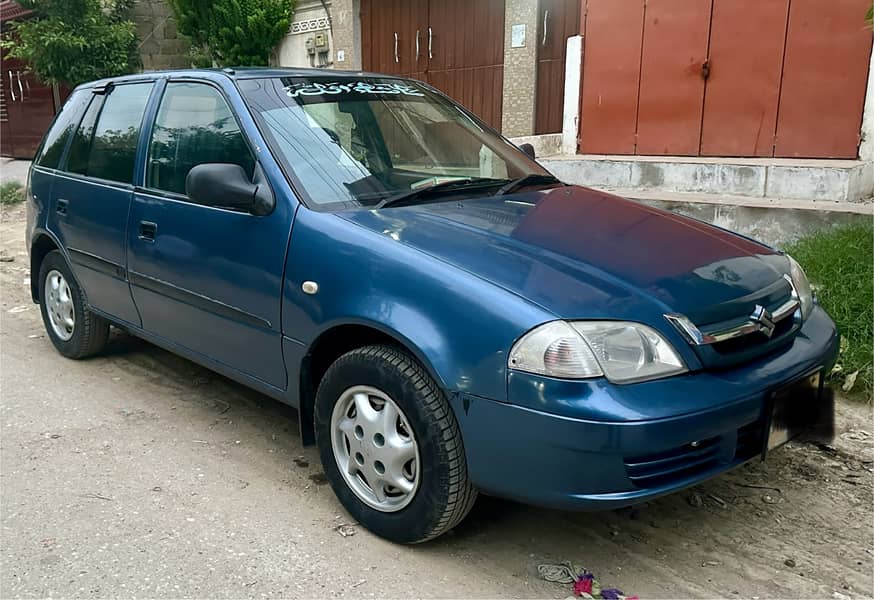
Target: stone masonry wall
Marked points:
346	24
520	69
161	46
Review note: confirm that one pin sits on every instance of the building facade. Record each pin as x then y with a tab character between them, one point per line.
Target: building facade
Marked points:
761	98
27	106
726	78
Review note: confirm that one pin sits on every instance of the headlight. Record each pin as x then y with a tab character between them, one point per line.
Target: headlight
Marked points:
801	287
623	352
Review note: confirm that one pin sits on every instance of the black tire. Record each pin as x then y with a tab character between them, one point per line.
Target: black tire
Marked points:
90	331
445	495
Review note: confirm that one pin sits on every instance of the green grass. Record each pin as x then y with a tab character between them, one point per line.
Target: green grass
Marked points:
11	192
840	265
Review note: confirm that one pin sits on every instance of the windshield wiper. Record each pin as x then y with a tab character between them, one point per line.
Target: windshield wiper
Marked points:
443	186
530	179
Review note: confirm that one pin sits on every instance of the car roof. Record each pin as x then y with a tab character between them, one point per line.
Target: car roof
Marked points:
236	73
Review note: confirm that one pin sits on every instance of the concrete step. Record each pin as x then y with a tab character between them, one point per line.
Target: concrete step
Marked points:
858	208
836	181
774	222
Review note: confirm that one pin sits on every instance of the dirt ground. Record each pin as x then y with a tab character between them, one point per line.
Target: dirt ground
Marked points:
140	474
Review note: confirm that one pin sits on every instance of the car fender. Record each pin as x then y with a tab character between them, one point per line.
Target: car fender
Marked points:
459	326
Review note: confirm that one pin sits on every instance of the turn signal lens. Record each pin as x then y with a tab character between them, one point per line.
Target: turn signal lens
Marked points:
554	349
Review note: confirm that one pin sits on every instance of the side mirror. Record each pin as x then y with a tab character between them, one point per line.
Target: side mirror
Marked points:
528	149
226	185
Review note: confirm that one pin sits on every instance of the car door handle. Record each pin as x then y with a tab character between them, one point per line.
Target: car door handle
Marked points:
147	231
61	208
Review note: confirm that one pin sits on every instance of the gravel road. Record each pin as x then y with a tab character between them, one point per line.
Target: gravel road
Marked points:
140	474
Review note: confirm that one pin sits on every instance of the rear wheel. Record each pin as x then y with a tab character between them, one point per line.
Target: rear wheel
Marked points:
74	330
390	445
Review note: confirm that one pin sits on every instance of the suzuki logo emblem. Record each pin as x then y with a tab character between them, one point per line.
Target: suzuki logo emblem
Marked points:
762	317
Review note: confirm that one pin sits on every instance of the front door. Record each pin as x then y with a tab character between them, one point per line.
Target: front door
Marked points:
207	279
91	197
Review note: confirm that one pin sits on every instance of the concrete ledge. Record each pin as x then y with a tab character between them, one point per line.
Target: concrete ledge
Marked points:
774	224
812	180
855	208
544	145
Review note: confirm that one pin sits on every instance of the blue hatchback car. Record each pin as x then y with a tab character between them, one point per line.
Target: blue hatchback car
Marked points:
447	317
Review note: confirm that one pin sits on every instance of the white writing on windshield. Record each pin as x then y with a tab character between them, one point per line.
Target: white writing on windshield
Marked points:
360	87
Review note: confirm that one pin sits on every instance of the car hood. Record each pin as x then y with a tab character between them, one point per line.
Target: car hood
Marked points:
580	253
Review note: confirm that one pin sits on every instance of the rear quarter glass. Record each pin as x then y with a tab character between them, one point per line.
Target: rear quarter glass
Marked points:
52	148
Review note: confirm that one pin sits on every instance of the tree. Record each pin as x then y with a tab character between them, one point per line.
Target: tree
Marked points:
234	32
73	41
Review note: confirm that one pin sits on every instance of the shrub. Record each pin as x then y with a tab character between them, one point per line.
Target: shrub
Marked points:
233	32
11	192
840	265
74	41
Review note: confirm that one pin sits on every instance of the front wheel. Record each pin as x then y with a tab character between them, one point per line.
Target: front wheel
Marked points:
391	447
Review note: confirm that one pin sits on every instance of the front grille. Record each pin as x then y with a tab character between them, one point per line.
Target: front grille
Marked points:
725	337
755	340
664	467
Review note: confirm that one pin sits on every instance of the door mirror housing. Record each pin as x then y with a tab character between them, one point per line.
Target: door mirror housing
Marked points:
225	185
528	149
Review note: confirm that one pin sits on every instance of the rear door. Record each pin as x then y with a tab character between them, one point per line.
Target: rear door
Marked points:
205	278
91	196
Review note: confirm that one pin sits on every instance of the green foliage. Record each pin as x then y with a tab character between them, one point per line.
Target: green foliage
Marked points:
233	32
73	41
840	264
869	16
11	192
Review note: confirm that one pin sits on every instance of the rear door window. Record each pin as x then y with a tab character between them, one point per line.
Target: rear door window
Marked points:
77	158
106	143
194	125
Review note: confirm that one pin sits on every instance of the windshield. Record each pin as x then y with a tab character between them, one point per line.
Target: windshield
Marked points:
351	143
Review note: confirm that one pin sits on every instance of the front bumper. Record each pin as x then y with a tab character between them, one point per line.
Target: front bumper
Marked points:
589	445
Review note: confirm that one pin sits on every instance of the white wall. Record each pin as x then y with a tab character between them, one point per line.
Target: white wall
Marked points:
309	18
866	149
570	124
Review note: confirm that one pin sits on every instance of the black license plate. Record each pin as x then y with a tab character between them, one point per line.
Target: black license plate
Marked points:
796	408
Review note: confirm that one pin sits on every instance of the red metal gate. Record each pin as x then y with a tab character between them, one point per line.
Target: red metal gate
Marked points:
828	46
27	108
746	58
611	76
455	45
782	78
672	72
389	30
